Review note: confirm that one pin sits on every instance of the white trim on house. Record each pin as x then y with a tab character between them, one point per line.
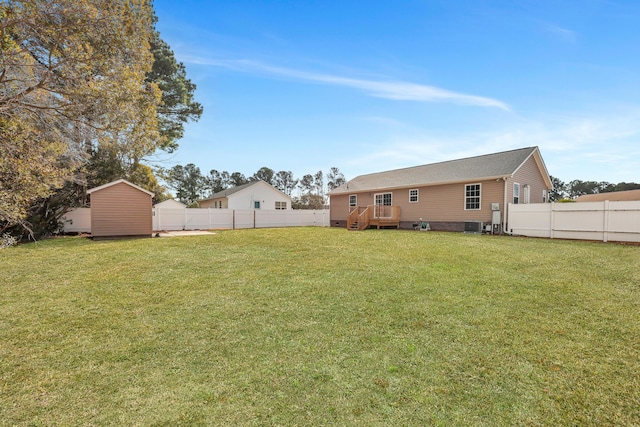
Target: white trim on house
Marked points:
468	197
416	195
383	198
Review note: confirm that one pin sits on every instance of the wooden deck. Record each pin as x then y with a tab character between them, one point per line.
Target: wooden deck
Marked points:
361	218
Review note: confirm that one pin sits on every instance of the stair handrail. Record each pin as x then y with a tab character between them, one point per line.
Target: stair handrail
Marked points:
359	217
363	219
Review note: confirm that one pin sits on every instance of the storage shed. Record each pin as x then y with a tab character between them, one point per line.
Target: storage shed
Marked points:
120	209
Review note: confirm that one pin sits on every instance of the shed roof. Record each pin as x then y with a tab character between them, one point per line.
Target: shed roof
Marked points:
120	181
488	166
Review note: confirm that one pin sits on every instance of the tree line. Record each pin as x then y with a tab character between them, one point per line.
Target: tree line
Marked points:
88	91
569	191
191	185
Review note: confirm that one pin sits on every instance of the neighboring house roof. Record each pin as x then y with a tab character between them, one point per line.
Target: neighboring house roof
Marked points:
614	196
489	166
123	181
229	191
170	203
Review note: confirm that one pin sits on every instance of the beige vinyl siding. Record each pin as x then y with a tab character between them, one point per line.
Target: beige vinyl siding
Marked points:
446	202
339	207
443	203
527	174
120	210
209	203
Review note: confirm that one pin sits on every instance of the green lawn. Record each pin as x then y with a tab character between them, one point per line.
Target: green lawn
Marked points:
317	326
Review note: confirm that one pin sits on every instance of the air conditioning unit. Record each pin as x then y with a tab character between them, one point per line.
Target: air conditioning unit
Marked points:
473	227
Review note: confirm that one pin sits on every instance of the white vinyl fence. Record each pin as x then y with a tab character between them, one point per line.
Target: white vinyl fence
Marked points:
604	221
170	219
77	220
208	219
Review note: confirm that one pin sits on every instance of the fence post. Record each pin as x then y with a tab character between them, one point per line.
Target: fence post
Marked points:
552	220
185	221
605	220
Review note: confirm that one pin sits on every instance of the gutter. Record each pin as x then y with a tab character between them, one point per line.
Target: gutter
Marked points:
417	184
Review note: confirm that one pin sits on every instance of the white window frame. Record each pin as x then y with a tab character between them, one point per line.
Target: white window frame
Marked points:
544	196
468	198
256	204
353	200
280	206
516	193
412	196
383	199
526	194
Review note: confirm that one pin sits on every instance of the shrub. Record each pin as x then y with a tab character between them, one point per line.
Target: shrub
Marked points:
7	240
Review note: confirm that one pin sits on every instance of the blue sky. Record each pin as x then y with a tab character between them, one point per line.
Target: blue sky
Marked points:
369	86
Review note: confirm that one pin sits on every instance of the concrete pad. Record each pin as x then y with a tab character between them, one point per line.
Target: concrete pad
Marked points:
179	233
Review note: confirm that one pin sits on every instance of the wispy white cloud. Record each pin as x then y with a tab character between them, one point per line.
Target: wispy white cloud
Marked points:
395	90
587	148
561	32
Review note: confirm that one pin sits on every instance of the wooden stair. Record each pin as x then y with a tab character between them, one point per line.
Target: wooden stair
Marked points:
380	216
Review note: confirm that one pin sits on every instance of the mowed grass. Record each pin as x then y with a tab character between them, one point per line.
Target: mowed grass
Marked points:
317	326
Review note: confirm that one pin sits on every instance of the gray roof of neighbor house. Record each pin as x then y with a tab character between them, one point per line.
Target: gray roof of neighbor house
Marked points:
484	167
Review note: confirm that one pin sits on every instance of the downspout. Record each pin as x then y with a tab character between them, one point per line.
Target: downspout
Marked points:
504	222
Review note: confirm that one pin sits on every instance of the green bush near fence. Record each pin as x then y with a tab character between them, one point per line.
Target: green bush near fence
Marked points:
317	326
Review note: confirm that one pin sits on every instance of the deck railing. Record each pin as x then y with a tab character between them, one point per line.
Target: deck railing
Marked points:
386	212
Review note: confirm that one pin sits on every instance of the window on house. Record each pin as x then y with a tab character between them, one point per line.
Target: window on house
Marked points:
544	196
527	194
516	193
413	196
472	197
353	200
383	199
256	204
281	205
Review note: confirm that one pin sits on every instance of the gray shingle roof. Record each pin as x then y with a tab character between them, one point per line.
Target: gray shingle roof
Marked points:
230	191
473	168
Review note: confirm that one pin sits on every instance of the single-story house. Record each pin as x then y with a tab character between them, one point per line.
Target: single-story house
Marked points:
253	195
170	204
120	209
470	194
613	196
